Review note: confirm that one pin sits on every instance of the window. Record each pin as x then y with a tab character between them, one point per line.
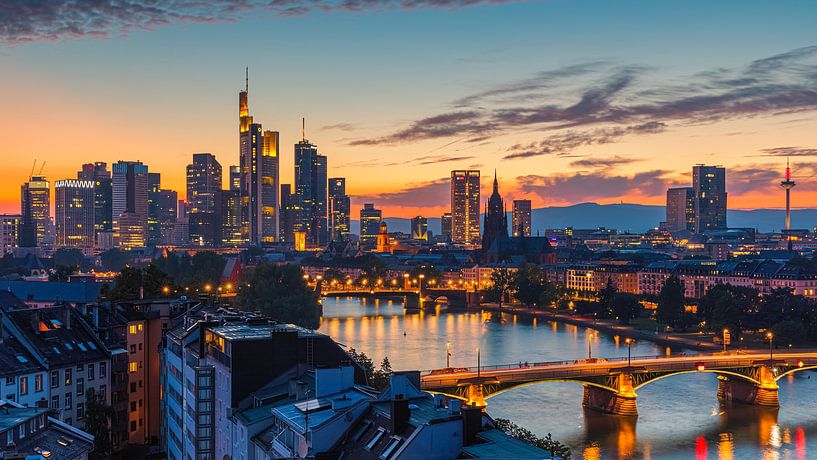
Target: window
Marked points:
395	441
55	402
132	366
9	437
80	367
23	386
69	421
133	387
55	379
38	383
375	437
80	386
132	329
68	401
80	411
140	347
133	349
133	406
10	380
68	375
139	327
133	426
103	370
101	392
22	431
90	371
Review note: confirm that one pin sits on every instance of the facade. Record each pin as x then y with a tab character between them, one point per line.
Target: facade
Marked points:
103	198
521	220
311	193
231	217
165	204
35	206
496	219
445	226
27	430
709	186
203	195
340	209
370	218
680	209
465	204
130	204
235	178
593	278
9	232
419	228
75	214
289	211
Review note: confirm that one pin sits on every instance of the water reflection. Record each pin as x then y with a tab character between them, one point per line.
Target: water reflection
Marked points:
680	417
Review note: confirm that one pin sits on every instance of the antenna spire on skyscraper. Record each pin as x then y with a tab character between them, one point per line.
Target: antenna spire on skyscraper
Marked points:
303	129
247	79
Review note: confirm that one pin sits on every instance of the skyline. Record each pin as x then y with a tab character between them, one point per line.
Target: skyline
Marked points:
565	114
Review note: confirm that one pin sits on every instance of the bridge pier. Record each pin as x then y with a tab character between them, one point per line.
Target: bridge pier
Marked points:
476	395
621	402
745	392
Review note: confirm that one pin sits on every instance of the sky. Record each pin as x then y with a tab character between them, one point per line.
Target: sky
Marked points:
569	101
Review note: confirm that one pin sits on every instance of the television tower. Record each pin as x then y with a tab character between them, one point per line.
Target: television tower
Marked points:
788	184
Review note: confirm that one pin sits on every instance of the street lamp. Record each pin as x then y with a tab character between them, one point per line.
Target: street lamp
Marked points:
448	355
725	335
629	343
478	363
770	336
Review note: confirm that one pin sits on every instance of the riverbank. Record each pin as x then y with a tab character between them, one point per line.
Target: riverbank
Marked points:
672	340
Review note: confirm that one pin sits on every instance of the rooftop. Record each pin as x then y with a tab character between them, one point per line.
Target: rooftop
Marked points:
244	331
498	445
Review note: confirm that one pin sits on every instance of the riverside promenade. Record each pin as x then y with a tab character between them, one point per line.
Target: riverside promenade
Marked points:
610	327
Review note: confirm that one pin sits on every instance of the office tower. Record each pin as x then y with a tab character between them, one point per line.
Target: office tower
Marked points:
130	204
9	232
311	193
235	178
680	209
203	195
288	214
445	226
419	228
339	209
496	219
709	185
75	213
231	217
259	177
35	205
370	218
166	203
521	218
465	202
154	188
103	200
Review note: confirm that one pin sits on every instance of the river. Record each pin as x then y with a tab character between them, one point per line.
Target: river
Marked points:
679	416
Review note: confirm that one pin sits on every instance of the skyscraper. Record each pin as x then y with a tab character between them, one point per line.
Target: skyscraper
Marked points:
339	209
370	218
166	203
680	209
521	219
130	204
259	177
445	226
419	228
709	185
103	199
35	204
235	178
154	189
203	195
465	203
496	219
74	211
288	213
231	217
311	193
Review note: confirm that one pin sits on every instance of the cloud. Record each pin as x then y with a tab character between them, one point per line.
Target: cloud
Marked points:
599	185
611	162
443	125
339	127
421	194
23	21
790	152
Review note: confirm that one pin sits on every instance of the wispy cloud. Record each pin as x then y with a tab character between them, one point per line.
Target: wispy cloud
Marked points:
23	21
598	185
431	193
790	152
610	162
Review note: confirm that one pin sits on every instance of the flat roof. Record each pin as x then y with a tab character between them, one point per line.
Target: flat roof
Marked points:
258	331
499	445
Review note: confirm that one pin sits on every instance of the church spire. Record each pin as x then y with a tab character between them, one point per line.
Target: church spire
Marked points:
496	183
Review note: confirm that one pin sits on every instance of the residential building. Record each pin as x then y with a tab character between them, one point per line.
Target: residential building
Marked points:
521	218
10	232
465	204
32	433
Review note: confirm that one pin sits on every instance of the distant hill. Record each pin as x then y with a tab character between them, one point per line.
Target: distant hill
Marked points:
629	217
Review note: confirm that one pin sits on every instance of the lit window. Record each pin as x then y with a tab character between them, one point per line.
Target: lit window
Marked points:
132	366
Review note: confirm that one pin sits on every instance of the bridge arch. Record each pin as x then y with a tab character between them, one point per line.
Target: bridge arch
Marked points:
537	382
795	369
695	371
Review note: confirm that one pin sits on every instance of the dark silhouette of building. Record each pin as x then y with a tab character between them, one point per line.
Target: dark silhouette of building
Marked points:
496	220
521	218
370	218
340	209
311	193
680	209
35	198
709	185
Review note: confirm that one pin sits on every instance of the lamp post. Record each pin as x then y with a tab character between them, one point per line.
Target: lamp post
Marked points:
629	343
590	344
448	355
478	363
770	336
725	338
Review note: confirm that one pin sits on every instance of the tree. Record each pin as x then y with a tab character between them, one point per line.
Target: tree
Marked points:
530	284
280	292
333	274
625	307
382	376
606	296
670	310
789	332
61	272
373	267
69	257
114	260
98	417
428	272
376	378
140	283
502	280
727	307
555	448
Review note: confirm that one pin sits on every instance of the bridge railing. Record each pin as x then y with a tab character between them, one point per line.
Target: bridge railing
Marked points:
525	364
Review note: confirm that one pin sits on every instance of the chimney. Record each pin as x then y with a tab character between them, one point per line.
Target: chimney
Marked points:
471	424
68	317
400	414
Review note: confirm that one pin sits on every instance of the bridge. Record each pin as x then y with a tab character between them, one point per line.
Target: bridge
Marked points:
610	385
413	298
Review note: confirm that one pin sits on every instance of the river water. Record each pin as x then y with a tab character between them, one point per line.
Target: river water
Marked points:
679	416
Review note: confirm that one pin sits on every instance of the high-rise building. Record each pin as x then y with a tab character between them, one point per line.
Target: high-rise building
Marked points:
130	204
9	232
259	177
203	194
680	209
166	203
231	217
288	214
103	200
419	228
340	209
496	219
311	193
445	226
465	203
370	218
235	178
75	213
154	189
709	185
35	204
521	219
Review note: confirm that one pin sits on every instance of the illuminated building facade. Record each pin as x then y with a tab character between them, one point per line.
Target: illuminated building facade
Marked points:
521	218
419	228
74	213
103	199
465	203
370	218
709	186
9	232
35	204
203	195
445	226
130	204
340	209
680	209
311	193
288	213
